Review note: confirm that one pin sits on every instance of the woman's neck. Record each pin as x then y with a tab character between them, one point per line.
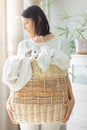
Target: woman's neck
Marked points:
41	39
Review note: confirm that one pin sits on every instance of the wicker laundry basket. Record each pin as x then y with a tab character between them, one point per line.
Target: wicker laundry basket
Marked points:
41	99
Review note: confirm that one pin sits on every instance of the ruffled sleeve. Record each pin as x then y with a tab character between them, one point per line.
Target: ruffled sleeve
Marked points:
16	72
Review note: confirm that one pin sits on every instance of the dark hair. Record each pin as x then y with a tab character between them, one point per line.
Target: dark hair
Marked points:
39	18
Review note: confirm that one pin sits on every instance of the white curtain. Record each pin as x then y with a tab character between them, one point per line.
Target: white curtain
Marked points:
5	123
14	24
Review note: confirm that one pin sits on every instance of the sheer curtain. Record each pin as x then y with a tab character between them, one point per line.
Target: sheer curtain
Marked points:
5	123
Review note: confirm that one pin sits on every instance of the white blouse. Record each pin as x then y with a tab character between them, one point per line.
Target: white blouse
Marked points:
47	53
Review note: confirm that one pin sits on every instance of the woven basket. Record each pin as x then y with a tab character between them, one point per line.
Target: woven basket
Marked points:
41	99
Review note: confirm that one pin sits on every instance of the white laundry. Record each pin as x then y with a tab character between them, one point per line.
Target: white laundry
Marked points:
49	56
18	71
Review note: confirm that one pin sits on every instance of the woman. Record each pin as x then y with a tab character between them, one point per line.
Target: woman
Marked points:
36	24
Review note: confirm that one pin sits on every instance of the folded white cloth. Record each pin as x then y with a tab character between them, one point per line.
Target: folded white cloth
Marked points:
17	72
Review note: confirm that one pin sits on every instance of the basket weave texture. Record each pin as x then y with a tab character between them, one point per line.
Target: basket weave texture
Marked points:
41	99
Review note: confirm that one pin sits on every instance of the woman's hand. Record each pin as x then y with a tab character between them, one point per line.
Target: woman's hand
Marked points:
10	111
69	107
28	53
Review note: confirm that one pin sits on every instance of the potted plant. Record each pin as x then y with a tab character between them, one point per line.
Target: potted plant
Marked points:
81	34
73	29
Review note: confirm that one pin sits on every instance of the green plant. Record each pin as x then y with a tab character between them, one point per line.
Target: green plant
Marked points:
65	29
72	27
81	28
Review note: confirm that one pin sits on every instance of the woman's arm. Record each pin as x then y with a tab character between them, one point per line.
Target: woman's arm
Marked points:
10	110
69	88
69	106
21	49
